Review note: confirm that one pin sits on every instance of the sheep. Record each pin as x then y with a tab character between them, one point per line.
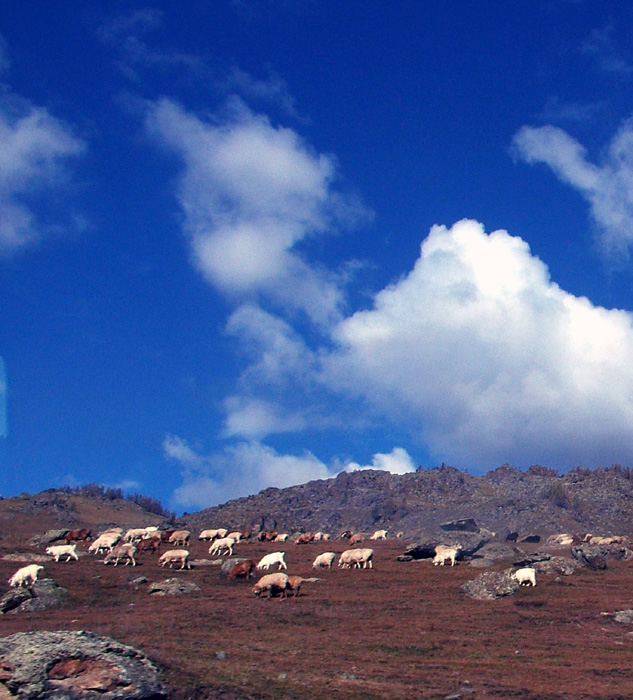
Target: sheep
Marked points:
445	552
219	545
135	533
59	550
305	538
106	540
294	584
77	535
325	559
237	535
173	556
179	537
122	551
244	569
212	534
359	558
267	536
526	576
563	539
358	538
25	576
282	537
149	544
379	535
271	559
272	583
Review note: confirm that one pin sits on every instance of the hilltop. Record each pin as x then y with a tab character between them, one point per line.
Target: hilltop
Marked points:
506	499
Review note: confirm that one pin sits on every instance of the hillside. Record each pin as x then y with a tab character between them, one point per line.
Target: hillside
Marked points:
504	500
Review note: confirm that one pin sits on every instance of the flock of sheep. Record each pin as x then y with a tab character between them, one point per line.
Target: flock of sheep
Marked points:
122	546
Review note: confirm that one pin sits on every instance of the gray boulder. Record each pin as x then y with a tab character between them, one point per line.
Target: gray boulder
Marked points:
461	525
48	537
75	666
43	594
590	555
547	563
491	585
494	551
173	586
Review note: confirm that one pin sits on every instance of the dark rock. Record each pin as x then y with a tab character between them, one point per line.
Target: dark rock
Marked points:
590	555
173	586
462	525
491	585
416	550
532	539
75	666
43	594
495	551
512	537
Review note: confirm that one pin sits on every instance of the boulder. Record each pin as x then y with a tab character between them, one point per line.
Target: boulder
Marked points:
75	665
470	542
43	594
547	563
172	586
495	551
228	564
590	555
491	585
623	616
48	537
461	525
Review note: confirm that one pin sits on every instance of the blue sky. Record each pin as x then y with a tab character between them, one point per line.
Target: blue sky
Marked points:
249	244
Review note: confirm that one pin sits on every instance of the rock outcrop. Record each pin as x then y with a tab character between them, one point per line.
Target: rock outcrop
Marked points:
44	593
75	665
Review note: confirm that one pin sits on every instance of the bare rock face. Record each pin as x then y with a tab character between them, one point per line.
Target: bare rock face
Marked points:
75	666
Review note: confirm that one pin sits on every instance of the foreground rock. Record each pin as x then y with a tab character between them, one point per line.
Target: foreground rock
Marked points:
75	666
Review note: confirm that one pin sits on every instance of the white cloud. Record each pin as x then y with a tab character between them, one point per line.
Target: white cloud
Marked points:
254	419
486	360
239	470
397	461
251	193
33	151
607	186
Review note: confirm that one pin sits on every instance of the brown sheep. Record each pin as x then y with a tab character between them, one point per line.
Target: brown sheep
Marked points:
244	569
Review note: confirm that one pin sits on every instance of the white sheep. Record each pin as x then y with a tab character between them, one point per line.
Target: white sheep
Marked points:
283	537
323	560
179	537
236	535
526	576
379	535
444	552
359	558
59	550
25	576
220	545
173	556
212	534
105	541
271	559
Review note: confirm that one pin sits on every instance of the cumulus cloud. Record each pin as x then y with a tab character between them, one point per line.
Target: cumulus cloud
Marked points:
397	461
251	193
486	360
239	470
34	148
607	186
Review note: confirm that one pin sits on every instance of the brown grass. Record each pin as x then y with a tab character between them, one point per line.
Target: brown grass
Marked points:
399	631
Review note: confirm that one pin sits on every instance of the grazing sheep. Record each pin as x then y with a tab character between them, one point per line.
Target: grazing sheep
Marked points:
357	558
25	576
267	536
445	552
358	538
149	544
212	534
134	534
273	583
305	538
179	537
122	551
173	556
219	545
379	535
60	550
271	559
282	537
105	541
243	569
325	559
526	576
563	539
236	535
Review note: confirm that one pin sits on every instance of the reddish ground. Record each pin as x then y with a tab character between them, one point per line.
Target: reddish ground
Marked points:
399	631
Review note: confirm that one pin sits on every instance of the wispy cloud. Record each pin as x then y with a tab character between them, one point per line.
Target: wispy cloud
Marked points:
607	186
34	152
251	193
602	45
